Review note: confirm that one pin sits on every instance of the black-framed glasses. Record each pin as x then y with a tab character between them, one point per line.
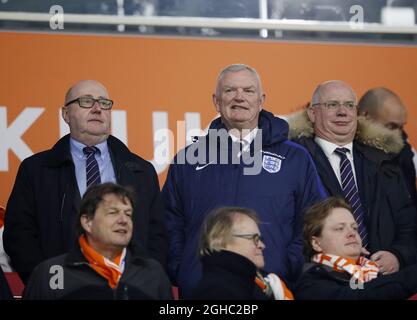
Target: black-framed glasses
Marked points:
255	237
88	102
332	105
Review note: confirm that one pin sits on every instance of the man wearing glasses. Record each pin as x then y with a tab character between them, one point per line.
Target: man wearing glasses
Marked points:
42	208
231	253
353	159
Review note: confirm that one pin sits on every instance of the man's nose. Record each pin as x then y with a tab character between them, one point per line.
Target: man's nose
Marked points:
341	111
123	219
239	94
96	107
351	233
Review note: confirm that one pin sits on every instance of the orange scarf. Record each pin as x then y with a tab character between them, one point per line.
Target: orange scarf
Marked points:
363	269
111	270
272	285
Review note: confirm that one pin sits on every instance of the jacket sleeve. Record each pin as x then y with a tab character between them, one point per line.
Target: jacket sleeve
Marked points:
20	236
165	288
317	284
158	239
404	213
310	192
175	221
38	285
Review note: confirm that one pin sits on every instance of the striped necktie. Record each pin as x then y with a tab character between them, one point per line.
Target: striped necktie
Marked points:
91	167
351	194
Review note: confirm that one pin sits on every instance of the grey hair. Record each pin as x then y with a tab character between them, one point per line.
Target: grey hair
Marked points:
236	68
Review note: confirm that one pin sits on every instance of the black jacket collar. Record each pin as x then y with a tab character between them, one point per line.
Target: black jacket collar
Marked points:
233	262
60	154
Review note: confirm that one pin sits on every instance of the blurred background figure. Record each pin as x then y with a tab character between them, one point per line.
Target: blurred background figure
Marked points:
231	254
385	107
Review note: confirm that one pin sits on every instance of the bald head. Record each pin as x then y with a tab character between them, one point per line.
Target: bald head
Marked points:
383	106
88	125
330	86
82	86
331	112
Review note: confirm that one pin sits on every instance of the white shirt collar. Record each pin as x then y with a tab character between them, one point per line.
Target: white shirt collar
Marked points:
77	148
248	138
329	147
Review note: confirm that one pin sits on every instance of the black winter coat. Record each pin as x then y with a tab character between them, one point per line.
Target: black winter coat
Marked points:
390	212
321	282
142	279
43	207
404	160
227	276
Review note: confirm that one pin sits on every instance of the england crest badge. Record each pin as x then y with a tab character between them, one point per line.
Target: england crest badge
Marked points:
271	164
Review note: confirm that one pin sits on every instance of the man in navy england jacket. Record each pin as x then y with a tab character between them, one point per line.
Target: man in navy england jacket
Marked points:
247	161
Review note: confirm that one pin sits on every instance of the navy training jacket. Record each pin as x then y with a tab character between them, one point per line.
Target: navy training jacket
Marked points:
286	185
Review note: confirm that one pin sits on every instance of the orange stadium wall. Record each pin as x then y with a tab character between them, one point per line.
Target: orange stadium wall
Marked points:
161	82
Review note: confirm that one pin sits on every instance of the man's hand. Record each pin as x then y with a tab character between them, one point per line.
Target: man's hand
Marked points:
386	262
365	252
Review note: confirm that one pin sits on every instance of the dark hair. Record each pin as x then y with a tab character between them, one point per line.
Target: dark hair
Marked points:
94	196
216	231
314	220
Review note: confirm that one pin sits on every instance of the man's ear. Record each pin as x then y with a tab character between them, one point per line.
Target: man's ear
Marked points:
311	113
64	114
85	222
315	243
262	101
216	102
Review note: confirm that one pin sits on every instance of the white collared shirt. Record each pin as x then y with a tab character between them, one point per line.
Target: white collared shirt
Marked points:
329	150
246	141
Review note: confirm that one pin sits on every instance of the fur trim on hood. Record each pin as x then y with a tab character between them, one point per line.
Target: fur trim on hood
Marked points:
369	132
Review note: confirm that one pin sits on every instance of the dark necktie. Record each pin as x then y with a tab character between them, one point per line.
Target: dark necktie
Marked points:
91	167
351	194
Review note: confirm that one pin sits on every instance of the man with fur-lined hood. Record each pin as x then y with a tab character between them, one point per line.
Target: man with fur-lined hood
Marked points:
374	186
383	106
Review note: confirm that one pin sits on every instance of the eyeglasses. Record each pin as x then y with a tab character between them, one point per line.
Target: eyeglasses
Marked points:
88	102
255	237
332	105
